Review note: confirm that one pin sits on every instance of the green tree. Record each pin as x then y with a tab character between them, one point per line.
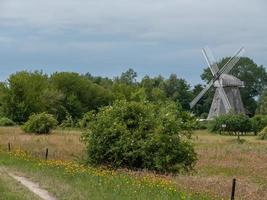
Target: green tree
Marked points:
128	77
178	90
23	95
80	95
153	88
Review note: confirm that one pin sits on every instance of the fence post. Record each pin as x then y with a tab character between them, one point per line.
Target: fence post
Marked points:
9	147
46	153
233	189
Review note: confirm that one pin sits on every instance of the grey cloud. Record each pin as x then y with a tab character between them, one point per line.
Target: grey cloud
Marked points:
170	30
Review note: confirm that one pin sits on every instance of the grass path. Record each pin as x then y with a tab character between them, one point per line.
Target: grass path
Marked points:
12	190
33	187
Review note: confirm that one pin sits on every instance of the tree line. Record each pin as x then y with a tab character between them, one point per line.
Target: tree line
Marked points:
70	95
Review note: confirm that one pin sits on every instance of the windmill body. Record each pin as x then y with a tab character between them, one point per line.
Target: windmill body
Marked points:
231	87
227	95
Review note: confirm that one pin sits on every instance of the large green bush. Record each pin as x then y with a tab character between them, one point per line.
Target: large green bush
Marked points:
232	124
4	121
41	123
141	135
263	134
258	122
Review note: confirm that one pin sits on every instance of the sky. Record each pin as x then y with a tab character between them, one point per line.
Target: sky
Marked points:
107	37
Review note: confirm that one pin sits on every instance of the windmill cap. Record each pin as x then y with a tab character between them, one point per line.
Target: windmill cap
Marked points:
227	80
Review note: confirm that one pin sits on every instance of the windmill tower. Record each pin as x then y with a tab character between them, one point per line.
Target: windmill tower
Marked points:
227	95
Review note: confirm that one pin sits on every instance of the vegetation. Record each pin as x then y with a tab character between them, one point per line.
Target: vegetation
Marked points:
141	135
4	121
220	158
69	180
233	124
41	123
263	134
262	107
130	124
258	122
69	94
10	190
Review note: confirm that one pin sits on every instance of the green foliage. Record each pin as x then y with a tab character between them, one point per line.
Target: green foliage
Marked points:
263	134
141	135
178	90
4	121
202	125
258	122
88	117
41	123
80	95
23	95
68	122
234	124
262	106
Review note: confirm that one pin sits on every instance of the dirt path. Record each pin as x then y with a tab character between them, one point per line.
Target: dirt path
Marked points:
32	186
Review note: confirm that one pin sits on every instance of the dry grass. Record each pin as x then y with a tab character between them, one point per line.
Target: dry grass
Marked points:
221	158
62	144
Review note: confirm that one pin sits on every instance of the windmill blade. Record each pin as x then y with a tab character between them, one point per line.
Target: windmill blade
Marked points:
231	63
201	94
210	60
224	98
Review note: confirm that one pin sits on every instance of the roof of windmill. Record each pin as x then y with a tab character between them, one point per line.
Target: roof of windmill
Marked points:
228	80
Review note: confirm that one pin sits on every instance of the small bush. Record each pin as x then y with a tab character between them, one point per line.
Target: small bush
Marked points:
258	122
202	125
233	124
41	123
4	121
141	135
263	134
67	123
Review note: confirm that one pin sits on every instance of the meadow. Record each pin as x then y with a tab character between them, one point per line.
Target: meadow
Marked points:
220	158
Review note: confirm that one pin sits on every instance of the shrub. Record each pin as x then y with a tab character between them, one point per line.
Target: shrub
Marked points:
68	122
258	122
263	134
202	125
87	118
141	135
41	123
4	121
231	123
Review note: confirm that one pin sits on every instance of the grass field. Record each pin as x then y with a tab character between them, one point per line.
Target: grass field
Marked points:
220	159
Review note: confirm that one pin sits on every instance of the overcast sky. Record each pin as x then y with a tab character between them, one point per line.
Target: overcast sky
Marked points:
106	37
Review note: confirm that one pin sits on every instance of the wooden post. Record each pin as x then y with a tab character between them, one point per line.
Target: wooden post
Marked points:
9	147
233	189
46	154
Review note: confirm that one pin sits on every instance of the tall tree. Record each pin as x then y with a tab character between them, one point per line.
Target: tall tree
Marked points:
80	94
24	95
178	90
128	77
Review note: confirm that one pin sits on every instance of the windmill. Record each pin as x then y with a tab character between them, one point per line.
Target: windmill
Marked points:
227	95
